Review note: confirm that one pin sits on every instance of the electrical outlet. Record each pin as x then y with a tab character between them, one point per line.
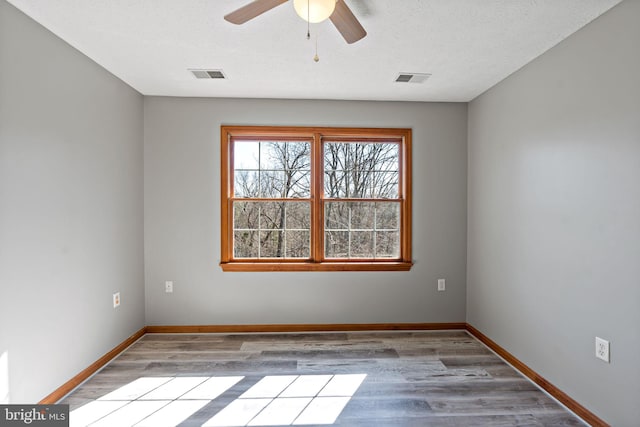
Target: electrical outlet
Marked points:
168	286
441	285
116	300
602	349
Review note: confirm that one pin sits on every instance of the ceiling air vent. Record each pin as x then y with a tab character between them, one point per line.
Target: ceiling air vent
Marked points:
208	74
412	77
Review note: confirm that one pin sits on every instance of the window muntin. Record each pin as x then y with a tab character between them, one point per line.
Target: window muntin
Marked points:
315	199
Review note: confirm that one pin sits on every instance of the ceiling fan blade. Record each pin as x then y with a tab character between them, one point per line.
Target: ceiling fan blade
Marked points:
251	10
347	23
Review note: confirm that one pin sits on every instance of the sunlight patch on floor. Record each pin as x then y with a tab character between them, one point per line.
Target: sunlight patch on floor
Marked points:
212	388
93	411
175	388
238	413
152	401
281	411
290	400
322	410
136	389
173	414
306	385
269	386
131	413
273	400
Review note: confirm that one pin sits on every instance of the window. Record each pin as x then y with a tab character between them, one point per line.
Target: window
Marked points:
302	199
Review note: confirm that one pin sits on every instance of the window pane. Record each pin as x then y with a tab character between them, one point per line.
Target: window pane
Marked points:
336	215
388	160
272	184
245	215
387	244
384	185
361	170
270	156
272	229
298	244
387	216
335	156
271	244
298	216
284	184
300	184
272	215
338	184
246	155
336	244
272	169
286	155
362	230
361	244
292	160
349	215
363	215
246	184
245	244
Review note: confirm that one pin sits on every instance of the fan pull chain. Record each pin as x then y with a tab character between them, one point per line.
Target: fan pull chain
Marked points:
316	58
308	20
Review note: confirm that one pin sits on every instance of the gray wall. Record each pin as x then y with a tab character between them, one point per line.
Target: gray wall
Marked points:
70	209
182	219
554	214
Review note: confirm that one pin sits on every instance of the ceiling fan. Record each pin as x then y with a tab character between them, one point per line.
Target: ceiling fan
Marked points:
311	11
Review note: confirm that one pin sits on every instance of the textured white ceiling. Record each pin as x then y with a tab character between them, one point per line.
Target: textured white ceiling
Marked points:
467	45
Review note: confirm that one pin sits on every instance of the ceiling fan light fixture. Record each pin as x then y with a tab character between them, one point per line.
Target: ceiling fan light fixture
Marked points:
314	11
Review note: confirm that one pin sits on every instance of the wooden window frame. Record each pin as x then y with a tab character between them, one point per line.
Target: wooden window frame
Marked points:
316	262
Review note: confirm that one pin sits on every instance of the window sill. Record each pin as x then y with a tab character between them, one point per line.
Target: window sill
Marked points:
250	266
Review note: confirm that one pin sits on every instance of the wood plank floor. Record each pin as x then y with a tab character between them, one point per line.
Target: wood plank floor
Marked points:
425	378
